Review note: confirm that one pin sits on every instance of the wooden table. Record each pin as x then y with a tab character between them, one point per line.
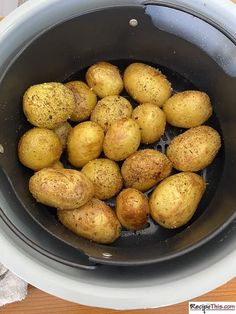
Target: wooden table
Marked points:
38	302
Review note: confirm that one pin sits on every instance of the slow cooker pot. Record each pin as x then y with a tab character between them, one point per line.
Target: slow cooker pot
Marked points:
186	40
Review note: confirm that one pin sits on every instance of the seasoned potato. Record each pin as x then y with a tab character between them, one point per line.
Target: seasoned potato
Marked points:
121	139
188	109
85	100
175	200
146	84
94	221
132	209
151	120
61	188
84	143
47	105
110	109
62	132
145	168
194	149
105	176
104	79
39	148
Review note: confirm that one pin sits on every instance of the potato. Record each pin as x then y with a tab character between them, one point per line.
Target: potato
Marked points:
132	209
94	221
175	200
61	188
39	148
84	143
146	84
47	105
121	139
110	109
145	168
194	149
104	79
105	176
57	165
188	109
85	100
62	132
151	120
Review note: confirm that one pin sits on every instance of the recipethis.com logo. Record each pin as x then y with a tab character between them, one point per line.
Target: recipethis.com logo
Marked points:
212	307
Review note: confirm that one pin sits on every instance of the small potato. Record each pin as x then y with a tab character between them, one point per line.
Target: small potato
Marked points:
62	132
105	176
104	79
145	168
121	139
85	100
61	188
175	200
84	143
57	165
194	149
110	109
132	209
146	84
39	148
151	120
94	221
188	109
47	105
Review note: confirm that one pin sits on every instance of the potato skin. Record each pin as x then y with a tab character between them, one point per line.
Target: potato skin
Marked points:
104	79
84	143
122	139
194	149
105	176
110	109
175	199
188	109
94	221
57	165
151	120
39	148
62	132
47	105
85	100
132	209
146	84
61	188
145	168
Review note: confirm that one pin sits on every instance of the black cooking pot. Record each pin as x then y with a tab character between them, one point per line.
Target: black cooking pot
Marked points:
191	51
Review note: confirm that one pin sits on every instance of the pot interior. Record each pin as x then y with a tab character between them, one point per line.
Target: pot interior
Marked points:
192	54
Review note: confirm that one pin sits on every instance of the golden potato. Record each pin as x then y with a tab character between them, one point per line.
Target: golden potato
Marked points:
175	200
194	149
121	139
146	84
61	188
85	100
145	168
110	109
39	148
188	109
104	79
105	176
84	143
62	132
132	209
47	105
57	165
151	120
94	221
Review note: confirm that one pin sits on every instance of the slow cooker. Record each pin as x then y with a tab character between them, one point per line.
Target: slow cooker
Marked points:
52	41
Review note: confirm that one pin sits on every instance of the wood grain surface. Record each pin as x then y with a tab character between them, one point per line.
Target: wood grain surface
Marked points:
38	302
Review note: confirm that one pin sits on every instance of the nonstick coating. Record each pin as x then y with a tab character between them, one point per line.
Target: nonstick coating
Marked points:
63	53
